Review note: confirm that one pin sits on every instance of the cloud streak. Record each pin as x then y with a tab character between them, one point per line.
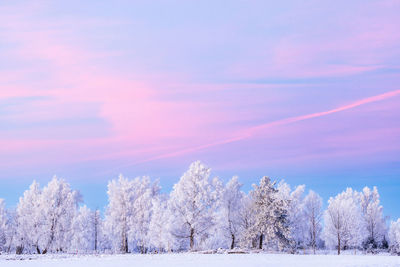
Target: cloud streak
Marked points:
252	131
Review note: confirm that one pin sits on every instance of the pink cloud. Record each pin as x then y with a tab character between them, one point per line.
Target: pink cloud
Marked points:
133	106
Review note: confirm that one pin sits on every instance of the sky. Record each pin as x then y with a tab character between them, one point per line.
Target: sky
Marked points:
305	91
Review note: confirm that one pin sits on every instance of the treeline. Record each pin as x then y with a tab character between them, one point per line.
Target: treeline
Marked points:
200	213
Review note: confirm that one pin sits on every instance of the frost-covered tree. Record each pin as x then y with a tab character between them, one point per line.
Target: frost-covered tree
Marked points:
296	217
192	205
31	221
10	230
119	211
313	215
44	217
102	236
394	237
83	231
159	235
139	223
216	236
59	204
247	216
270	210
4	224
129	212
373	217
343	221
230	211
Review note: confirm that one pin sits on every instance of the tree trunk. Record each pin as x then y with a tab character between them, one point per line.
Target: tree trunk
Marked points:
261	241
96	224
126	244
9	245
191	238
338	247
95	237
314	235
233	241
19	250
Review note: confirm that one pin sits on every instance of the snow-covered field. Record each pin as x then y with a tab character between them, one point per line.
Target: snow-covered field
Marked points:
202	260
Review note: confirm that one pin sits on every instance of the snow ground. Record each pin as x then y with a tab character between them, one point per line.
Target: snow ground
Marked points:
201	260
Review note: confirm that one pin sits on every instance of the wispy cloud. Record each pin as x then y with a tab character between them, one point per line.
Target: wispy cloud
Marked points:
252	131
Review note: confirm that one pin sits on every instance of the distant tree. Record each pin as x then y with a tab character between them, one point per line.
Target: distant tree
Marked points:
394	237
271	212
44	217
373	218
295	213
30	221
343	221
246	217
192	205
11	230
59	204
4	225
313	215
159	236
83	231
119	211
231	209
128	213
139	224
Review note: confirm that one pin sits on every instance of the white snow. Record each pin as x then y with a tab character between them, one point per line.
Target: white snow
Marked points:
201	260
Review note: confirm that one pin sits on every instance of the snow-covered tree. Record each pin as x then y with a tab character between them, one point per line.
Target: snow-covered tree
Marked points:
102	235
83	231
129	212
3	226
44	217
246	217
159	236
394	237
119	212
139	223
31	221
192	206
59	204
230	211
373	217
313	215
10	230
216	236
270	210
296	217
343	221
